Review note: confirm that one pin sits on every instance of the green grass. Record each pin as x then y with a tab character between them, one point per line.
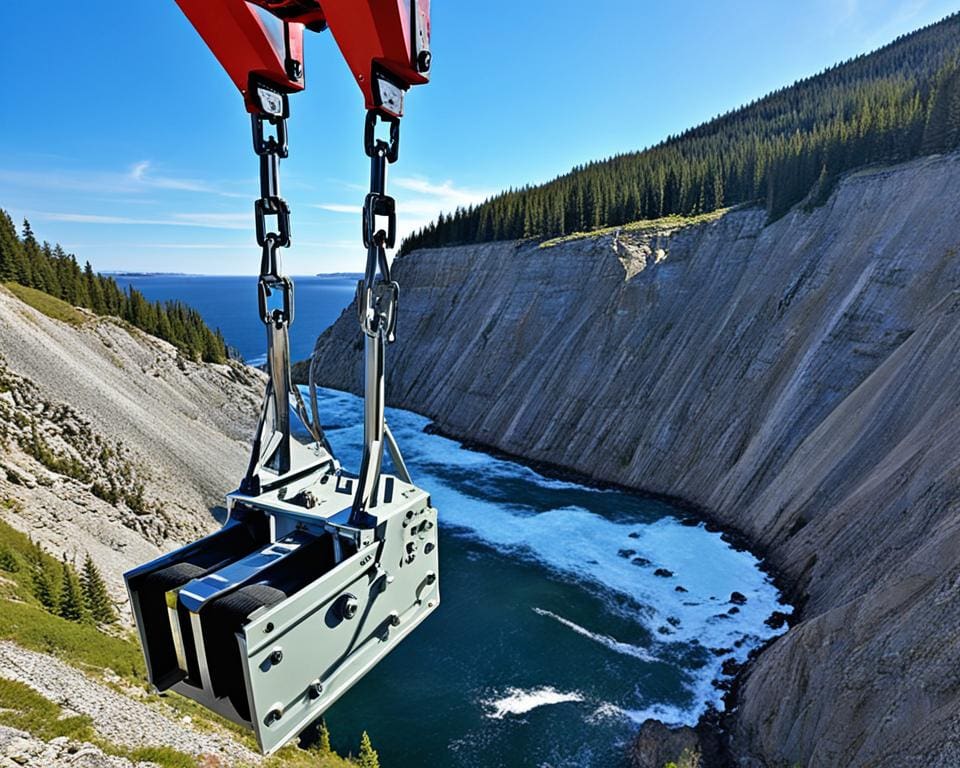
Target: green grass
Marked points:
47	304
646	225
23	708
79	645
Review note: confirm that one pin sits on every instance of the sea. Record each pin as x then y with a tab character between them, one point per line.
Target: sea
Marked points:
569	614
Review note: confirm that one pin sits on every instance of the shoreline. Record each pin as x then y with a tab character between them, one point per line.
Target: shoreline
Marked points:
713	726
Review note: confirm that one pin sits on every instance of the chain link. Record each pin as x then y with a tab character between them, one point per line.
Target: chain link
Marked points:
377	293
270	150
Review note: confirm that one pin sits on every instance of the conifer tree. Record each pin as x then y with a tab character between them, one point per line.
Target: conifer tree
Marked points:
323	739
71	605
42	583
95	595
368	757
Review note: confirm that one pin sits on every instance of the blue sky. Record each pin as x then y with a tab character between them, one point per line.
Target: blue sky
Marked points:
123	139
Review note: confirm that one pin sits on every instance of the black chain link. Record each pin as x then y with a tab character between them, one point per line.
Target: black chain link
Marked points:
377	293
270	150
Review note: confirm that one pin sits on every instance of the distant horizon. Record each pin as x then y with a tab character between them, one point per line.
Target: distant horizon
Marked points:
251	275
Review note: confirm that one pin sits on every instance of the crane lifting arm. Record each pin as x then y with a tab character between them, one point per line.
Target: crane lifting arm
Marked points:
386	43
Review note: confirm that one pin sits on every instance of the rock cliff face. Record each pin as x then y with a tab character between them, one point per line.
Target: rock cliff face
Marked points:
801	380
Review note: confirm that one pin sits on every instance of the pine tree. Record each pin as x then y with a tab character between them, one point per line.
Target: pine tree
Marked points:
43	589
42	583
71	604
95	595
368	757
323	739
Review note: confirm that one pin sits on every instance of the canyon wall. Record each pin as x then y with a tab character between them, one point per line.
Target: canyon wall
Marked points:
798	379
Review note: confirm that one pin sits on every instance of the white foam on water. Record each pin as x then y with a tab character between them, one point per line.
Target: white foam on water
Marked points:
665	713
587	546
517	701
614	645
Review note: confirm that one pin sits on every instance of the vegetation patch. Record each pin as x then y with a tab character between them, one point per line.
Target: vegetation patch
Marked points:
47	304
672	222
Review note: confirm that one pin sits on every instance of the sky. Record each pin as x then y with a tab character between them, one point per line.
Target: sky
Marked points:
123	139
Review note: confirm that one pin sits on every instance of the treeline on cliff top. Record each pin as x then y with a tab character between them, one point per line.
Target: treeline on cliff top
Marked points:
899	102
50	269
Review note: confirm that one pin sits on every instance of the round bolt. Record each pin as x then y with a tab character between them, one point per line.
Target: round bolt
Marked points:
394	619
269	628
349	607
431	577
315	689
275	713
276	656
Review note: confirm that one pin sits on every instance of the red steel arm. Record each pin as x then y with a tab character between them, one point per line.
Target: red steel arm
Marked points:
386	43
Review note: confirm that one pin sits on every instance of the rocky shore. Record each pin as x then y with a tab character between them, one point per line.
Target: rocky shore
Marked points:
798	379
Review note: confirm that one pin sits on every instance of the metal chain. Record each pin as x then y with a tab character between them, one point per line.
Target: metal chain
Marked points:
377	293
270	149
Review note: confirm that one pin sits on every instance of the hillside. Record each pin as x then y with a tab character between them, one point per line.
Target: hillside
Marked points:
894	104
115	447
796	379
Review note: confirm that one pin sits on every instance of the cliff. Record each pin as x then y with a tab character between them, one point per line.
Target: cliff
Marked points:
799	380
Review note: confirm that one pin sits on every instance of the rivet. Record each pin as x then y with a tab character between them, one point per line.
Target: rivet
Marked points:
274	715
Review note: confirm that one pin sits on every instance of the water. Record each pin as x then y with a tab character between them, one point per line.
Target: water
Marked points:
230	304
554	637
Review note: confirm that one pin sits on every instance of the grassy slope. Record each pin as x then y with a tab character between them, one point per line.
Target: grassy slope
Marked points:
47	304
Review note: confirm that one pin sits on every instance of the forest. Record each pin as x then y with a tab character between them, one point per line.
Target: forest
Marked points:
899	102
50	269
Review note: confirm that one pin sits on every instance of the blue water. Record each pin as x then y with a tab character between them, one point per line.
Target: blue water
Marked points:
230	304
554	637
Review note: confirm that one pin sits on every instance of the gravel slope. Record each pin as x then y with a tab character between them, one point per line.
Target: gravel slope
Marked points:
119	718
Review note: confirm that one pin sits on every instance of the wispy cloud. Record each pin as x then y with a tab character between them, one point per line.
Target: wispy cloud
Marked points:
200	220
427	201
141	174
353	208
138	179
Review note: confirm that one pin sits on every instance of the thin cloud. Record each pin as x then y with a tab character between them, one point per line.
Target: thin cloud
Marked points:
140	174
137	180
429	200
198	220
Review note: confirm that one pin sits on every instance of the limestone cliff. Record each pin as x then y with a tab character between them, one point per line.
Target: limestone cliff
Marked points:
800	380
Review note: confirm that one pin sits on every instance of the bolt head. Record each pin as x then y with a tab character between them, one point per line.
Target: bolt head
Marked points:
276	656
